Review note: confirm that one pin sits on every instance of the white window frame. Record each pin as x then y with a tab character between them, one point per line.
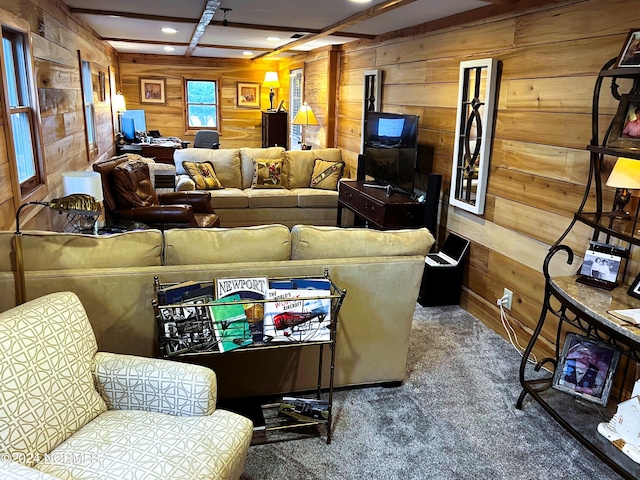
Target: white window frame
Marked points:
188	128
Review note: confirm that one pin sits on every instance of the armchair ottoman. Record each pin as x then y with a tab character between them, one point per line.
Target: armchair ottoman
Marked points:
67	412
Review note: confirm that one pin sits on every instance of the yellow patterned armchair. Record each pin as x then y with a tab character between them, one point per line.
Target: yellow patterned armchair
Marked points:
67	412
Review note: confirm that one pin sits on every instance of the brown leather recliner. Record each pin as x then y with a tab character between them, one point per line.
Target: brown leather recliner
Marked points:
129	195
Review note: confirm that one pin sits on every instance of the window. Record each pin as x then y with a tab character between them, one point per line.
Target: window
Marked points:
201	98
89	107
21	107
295	101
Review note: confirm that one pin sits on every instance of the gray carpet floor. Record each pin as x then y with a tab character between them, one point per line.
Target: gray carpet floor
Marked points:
454	417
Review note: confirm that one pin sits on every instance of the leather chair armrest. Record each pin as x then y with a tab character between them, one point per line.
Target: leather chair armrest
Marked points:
159	214
127	382
200	201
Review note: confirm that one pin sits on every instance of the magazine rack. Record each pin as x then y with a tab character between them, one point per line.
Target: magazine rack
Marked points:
197	336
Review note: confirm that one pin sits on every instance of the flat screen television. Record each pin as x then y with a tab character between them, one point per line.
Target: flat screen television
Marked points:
391	149
132	121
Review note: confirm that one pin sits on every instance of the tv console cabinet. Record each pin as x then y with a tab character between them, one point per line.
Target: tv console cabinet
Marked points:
377	209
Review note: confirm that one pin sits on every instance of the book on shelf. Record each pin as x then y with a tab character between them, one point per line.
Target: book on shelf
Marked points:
230	323
187	327
297	315
174	293
304	408
248	288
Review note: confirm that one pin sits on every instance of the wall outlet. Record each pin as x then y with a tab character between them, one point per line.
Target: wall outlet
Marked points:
507	298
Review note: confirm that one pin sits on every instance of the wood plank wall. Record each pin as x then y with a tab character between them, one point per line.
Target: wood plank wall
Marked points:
240	127
56	38
550	58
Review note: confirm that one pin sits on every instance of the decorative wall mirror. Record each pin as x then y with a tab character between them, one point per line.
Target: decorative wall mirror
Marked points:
371	99
474	127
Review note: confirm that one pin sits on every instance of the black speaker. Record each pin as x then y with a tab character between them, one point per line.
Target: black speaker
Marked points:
360	174
431	202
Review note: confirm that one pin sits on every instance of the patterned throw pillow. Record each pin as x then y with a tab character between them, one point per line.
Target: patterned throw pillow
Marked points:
326	174
267	173
203	175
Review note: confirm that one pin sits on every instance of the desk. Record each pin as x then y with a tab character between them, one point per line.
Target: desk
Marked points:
160	152
372	204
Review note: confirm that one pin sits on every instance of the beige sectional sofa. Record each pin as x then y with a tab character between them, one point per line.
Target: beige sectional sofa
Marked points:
113	277
241	204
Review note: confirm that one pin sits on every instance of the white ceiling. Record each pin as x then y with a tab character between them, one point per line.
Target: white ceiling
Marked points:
137	28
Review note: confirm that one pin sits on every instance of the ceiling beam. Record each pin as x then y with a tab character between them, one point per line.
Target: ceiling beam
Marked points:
205	19
372	12
183	44
216	23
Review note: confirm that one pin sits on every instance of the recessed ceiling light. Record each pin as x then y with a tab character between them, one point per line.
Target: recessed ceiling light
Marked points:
168	30
361	1
114	16
247	52
273	39
168	49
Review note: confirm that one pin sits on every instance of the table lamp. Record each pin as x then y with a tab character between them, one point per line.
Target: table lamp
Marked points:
625	177
78	204
305	117
119	105
271	81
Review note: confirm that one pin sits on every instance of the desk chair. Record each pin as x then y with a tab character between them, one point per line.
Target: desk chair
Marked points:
207	139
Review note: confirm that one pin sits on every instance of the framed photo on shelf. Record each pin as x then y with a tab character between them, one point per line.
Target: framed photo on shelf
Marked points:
634	289
153	90
248	95
630	54
625	128
586	368
601	265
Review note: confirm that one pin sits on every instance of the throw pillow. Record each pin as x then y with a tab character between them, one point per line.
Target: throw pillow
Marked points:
326	174
203	175
133	185
267	173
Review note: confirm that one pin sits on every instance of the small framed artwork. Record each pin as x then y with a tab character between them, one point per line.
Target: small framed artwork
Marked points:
630	54
634	289
153	90
586	368
102	86
248	95
625	128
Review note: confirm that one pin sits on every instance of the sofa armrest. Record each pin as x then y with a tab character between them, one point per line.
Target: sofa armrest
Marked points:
159	214
200	201
127	382
17	471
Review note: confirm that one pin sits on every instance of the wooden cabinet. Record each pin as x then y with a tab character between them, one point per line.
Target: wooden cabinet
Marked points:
274	129
379	210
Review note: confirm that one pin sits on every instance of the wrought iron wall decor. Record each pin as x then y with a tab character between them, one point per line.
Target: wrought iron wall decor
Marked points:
474	128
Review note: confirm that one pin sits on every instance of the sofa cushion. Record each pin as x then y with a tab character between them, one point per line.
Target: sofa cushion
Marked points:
132	182
229	198
265	243
226	163
248	155
45	371
298	165
313	242
326	174
125	444
203	174
315	197
267	173
275	198
69	251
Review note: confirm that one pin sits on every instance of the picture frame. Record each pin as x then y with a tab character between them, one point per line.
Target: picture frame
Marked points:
153	90
601	265
586	368
634	289
102	86
248	95
625	127
630	53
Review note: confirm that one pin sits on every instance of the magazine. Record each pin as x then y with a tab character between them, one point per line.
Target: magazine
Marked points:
297	316
304	408
230	324
187	327
248	288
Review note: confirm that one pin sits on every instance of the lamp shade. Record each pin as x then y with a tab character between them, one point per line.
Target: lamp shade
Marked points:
271	80
119	105
305	116
85	182
625	174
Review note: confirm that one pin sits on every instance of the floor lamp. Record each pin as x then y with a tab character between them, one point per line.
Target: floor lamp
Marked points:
78	204
305	117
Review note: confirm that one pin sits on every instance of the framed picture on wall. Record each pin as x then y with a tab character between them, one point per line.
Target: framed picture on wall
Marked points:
625	127
586	368
153	90
630	54
248	95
